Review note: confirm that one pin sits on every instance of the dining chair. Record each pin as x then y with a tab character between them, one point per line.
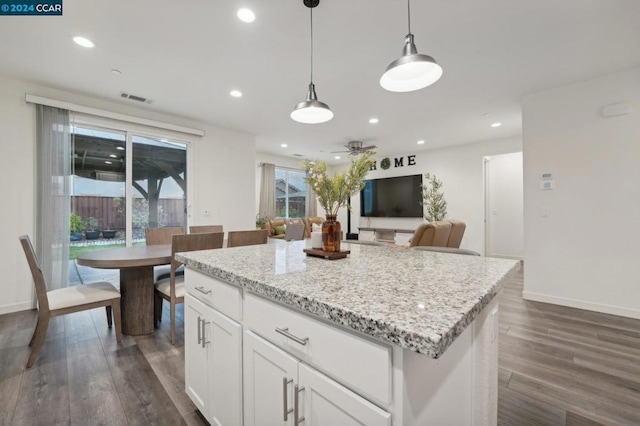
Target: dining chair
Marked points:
431	234
172	289
67	300
247	238
294	232
162	236
200	229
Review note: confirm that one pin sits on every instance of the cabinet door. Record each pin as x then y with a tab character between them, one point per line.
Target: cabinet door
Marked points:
224	344
269	377
324	402
196	366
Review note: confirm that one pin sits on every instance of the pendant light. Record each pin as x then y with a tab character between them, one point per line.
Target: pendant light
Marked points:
412	71
311	111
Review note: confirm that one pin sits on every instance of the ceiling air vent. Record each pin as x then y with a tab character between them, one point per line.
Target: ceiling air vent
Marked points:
135	98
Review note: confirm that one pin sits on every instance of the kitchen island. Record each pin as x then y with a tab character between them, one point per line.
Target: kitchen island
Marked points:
386	336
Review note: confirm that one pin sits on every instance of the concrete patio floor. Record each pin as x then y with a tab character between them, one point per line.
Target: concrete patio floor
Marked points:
84	275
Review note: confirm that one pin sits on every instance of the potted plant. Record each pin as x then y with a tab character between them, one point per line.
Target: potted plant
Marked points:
92	232
433	199
261	221
334	192
109	232
76	225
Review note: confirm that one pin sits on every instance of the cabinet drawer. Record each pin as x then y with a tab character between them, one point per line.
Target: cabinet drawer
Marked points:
222	296
360	363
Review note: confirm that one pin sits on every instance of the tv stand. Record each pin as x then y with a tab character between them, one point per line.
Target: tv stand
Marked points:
386	235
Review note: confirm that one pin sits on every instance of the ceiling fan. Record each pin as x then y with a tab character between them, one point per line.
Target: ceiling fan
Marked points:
355	148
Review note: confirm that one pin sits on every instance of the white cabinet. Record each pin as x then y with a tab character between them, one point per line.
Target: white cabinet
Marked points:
278	389
213	363
269	375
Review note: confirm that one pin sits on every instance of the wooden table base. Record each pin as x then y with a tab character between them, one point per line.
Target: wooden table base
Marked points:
136	291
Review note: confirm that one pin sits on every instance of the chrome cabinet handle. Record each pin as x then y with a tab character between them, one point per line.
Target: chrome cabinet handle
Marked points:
199	331
204	337
285	408
285	332
201	290
296	409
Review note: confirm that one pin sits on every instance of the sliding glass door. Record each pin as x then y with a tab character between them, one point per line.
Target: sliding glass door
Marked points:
124	181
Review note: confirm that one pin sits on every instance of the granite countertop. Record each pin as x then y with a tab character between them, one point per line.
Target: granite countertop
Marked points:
418	300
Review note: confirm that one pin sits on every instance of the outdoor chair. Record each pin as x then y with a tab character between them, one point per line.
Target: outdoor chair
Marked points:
67	300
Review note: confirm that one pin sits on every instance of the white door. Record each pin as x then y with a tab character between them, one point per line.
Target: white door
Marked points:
324	402
269	377
196	365
224	342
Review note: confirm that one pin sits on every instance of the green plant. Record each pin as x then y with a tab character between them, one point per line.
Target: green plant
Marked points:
76	224
261	220
92	223
334	192
433	198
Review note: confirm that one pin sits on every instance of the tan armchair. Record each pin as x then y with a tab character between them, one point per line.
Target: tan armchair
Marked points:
432	234
457	232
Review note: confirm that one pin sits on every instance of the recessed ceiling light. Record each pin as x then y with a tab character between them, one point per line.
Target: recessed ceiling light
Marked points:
373	120
283	145
420	142
84	42
246	15
337	157
121	148
108	162
113	156
496	124
236	93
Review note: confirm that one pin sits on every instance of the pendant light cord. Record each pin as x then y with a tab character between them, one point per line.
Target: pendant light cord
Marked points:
409	14
311	9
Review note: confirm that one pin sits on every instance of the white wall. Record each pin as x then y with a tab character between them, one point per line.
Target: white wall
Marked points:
461	170
584	253
223	177
505	215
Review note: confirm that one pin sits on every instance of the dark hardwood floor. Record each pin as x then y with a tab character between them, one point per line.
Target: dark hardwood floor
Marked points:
82	377
558	366
564	366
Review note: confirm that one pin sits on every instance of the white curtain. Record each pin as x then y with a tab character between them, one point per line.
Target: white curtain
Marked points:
268	191
311	203
53	187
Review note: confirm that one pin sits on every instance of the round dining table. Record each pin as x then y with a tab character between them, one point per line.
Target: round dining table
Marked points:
136	281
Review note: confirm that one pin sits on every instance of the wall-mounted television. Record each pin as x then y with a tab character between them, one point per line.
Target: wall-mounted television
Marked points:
392	197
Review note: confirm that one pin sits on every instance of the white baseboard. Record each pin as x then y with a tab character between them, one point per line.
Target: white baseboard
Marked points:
15	307
582	304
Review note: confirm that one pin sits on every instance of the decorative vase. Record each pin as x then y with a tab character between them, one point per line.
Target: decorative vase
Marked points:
331	234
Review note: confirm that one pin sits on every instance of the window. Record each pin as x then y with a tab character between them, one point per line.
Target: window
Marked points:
291	193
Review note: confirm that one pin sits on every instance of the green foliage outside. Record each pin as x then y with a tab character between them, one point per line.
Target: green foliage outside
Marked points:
92	223
433	199
76	224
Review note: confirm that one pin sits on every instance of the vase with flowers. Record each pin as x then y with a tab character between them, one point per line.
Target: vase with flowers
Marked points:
334	192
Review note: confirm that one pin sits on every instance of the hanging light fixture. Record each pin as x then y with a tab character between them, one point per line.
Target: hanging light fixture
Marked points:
311	111
412	71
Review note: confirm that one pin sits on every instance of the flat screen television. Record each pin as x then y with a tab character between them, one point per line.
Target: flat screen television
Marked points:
392	197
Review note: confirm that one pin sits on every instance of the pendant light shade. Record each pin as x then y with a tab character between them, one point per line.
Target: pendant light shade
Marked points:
412	71
311	111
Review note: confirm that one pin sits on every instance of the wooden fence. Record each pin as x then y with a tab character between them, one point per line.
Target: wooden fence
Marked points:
110	211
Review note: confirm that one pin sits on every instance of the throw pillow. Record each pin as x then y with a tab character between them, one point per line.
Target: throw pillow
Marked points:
279	230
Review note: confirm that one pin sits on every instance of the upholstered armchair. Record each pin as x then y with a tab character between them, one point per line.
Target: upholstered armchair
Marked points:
432	234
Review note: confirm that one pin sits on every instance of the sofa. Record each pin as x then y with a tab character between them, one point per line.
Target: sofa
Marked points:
277	225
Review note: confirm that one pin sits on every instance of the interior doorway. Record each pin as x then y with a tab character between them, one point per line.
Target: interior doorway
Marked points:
504	206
